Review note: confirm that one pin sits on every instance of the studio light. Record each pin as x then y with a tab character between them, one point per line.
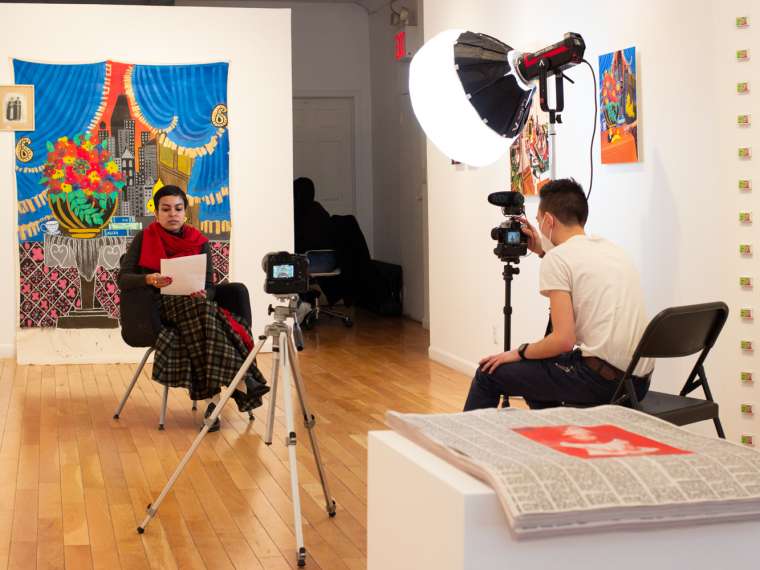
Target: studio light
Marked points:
472	93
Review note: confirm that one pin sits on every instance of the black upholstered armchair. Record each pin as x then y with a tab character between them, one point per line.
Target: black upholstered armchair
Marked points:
141	324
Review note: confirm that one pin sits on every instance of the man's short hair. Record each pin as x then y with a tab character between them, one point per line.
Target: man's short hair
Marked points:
170	190
565	200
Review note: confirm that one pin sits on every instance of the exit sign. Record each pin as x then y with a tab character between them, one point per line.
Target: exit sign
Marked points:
400	45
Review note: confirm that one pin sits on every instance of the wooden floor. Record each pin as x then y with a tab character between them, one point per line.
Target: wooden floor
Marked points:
74	483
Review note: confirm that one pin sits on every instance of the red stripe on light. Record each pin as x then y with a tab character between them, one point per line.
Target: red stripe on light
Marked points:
531	62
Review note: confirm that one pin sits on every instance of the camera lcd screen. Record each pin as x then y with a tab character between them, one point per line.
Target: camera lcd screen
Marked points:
513	238
283	272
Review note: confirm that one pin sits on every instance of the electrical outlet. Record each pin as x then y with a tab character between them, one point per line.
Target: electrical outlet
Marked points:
748	439
747	345
495	334
746	377
746	314
745	184
747	409
745	249
745	282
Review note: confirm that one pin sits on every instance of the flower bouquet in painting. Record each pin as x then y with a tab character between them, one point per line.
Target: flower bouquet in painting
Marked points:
83	184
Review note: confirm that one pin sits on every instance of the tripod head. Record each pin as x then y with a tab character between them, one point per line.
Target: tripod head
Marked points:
284	311
509	269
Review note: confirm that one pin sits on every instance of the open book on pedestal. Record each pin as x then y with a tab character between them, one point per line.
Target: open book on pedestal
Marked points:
567	470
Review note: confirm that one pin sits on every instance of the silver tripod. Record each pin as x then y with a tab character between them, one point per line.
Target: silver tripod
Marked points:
285	361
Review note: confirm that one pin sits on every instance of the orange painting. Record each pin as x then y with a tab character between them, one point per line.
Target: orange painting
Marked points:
618	117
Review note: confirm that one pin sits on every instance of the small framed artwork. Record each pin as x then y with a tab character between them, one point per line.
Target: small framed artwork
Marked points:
16	107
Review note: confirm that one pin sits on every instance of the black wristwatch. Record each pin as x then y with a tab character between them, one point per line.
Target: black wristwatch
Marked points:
521	350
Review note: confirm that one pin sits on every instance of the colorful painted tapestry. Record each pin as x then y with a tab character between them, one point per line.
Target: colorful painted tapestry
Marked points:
618	117
107	136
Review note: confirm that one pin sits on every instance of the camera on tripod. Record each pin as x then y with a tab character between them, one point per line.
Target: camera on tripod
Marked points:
512	243
287	273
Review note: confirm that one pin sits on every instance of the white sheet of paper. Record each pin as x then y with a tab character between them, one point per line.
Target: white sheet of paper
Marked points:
188	274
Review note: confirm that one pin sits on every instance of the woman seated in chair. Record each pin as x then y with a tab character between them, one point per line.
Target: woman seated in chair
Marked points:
202	345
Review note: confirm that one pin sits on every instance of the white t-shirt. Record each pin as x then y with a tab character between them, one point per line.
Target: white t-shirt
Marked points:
607	299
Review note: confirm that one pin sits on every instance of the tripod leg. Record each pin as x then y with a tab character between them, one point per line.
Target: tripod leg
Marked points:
310	422
164	402
291	443
273	392
226	395
132	383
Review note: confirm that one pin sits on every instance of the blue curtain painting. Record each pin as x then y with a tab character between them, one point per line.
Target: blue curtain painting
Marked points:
107	136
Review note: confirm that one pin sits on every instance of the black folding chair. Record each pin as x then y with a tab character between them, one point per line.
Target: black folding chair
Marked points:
677	332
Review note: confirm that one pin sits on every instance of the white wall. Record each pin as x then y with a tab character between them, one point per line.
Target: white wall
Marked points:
389	81
728	201
256	43
675	211
331	59
399	164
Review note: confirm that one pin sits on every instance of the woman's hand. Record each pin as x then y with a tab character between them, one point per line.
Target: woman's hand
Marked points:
199	294
491	363
534	240
157	280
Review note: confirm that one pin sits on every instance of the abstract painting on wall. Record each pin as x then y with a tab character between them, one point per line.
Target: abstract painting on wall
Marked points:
529	156
108	136
618	116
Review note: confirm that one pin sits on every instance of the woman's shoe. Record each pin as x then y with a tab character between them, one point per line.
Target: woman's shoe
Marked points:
216	426
255	388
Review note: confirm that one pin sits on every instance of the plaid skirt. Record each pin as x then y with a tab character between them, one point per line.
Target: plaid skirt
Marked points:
198	350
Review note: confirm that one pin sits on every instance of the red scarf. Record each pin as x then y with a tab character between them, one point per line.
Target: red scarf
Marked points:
238	329
158	244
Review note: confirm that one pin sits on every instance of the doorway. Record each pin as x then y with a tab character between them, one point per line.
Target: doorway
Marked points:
323	149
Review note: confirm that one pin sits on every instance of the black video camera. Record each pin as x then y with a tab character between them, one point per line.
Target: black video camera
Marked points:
512	243
287	273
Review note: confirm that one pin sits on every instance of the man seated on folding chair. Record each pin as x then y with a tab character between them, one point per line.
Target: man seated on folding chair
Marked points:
597	316
203	345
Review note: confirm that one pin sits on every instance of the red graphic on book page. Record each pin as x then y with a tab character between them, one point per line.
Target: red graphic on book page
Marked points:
595	442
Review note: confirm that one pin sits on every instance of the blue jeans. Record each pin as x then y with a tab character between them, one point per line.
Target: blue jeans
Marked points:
550	382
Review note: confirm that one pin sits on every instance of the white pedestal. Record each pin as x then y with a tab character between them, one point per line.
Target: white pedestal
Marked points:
423	513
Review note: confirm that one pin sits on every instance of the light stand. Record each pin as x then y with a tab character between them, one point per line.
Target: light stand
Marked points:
554	112
285	361
508	274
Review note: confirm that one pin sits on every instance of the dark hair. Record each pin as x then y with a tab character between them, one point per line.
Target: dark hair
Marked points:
170	191
565	200
303	192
